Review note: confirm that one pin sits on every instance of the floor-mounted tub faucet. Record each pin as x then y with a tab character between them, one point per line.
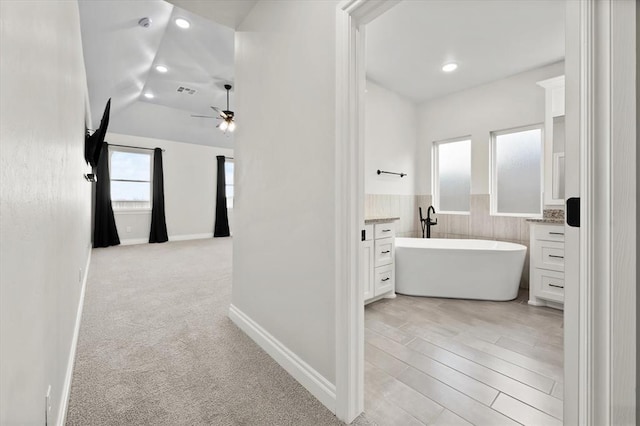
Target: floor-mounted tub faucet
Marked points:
427	223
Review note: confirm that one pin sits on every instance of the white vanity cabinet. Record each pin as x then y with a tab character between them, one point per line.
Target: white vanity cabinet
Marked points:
546	276
367	262
378	260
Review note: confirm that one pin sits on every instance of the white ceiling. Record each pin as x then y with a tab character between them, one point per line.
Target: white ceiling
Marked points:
489	39
229	13
121	56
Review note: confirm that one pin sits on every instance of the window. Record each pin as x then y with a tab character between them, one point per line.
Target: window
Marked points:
130	173
228	179
516	172
451	162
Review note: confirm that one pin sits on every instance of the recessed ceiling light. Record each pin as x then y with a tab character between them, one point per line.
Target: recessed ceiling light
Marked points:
149	95
161	68
451	66
183	23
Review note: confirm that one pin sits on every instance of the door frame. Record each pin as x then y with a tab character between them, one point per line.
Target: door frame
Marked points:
600	316
351	17
600	387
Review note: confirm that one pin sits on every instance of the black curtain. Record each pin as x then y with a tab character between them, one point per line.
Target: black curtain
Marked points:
158	232
93	143
105	233
222	220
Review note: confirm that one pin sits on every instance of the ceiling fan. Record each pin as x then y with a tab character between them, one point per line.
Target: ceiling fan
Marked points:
226	115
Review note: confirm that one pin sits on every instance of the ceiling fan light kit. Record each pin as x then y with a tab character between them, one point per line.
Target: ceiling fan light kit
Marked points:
227	116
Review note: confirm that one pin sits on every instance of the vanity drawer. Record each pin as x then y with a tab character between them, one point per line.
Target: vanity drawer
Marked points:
385	230
384	251
549	284
549	232
549	255
384	279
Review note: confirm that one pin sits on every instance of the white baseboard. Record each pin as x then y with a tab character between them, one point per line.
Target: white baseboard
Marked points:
314	382
133	241
66	389
190	237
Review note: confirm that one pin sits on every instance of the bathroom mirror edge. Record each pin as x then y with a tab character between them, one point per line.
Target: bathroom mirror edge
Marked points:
553	176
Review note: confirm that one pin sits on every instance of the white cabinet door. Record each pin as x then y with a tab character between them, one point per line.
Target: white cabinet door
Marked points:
385	230
384	251
548	255
549	233
548	285
557	101
367	269
384	279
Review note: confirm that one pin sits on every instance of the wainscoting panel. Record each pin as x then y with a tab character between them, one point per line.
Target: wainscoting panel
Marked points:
479	224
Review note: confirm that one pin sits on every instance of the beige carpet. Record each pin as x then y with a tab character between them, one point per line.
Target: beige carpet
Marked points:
156	346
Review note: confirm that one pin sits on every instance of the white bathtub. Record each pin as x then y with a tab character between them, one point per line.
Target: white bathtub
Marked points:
460	269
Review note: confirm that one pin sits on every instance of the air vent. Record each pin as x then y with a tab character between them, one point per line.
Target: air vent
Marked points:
186	90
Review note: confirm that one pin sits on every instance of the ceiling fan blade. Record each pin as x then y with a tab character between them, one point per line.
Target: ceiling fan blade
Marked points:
203	116
222	113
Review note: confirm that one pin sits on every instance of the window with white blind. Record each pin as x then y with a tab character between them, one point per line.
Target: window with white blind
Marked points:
451	180
130	173
516	172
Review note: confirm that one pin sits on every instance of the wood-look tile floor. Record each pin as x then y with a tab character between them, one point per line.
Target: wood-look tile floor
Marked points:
459	362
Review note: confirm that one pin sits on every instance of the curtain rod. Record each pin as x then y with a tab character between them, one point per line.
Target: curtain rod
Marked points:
129	146
150	149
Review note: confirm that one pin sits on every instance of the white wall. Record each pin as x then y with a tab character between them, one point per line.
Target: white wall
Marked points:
44	203
284	244
390	141
189	189
511	102
150	120
637	211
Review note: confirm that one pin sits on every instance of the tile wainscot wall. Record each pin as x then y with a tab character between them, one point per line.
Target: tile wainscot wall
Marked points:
479	224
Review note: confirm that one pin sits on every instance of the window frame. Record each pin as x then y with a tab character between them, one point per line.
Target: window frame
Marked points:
435	178
121	206
226	184
493	185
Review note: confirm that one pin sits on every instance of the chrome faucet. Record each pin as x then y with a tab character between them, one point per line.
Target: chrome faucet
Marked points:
427	223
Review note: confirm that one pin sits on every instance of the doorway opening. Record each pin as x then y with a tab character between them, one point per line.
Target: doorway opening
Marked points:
465	326
599	342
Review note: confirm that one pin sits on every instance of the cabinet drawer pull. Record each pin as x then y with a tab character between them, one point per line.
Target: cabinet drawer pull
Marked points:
386	230
556	233
556	256
556	286
386	251
385	279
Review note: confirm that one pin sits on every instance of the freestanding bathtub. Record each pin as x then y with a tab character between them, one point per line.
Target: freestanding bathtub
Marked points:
460	269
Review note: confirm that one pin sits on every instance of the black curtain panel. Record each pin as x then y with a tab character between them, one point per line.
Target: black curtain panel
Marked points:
93	143
158	232
222	220
105	233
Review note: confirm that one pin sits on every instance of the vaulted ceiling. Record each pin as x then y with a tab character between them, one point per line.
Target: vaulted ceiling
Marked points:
406	48
488	39
121	58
